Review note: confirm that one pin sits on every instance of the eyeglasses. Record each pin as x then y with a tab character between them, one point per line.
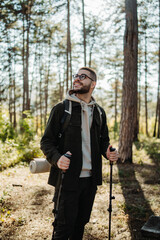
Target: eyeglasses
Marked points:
81	77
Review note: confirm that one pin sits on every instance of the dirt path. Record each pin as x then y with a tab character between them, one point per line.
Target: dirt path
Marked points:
26	207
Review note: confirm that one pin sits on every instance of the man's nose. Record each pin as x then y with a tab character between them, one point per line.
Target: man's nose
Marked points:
76	80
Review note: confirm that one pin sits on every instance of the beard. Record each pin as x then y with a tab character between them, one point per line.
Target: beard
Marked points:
82	90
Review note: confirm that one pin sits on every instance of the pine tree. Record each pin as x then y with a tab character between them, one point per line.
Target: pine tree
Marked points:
129	97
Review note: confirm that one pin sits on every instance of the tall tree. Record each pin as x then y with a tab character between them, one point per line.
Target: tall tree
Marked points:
146	85
84	32
129	96
148	58
158	98
9	22
26	13
69	55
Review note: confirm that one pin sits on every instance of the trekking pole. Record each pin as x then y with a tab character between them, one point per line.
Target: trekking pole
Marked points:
59	194
110	195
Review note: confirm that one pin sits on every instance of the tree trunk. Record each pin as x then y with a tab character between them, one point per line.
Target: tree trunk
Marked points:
36	110
67	58
68	25
90	54
84	33
23	60
10	95
10	86
129	97
40	89
146	87
139	96
69	55
70	65
26	13
158	133
14	92
47	81
115	110
156	118
27	57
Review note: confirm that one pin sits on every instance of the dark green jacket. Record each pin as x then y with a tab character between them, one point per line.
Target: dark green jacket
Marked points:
53	147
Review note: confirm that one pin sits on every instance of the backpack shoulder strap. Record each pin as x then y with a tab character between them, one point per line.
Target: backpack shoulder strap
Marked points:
100	114
66	115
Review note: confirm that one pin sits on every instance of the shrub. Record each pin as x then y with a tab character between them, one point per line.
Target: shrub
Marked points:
20	147
7	131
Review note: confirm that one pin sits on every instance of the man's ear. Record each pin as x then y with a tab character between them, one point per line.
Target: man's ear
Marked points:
93	84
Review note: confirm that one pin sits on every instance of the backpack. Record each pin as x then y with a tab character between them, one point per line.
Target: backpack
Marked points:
67	115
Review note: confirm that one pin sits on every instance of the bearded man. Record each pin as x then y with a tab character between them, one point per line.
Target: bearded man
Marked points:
86	139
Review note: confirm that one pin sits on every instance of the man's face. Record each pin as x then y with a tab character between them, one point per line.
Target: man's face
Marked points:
82	86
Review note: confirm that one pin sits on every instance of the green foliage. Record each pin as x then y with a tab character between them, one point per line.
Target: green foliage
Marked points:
8	154
4	211
11	153
18	147
30	151
149	146
27	130
7	131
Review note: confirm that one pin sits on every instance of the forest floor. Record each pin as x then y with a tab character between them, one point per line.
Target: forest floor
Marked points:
26	201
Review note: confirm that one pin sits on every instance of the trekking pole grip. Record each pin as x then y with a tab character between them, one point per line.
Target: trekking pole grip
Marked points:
112	150
68	155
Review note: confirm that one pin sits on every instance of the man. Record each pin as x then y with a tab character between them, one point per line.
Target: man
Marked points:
85	139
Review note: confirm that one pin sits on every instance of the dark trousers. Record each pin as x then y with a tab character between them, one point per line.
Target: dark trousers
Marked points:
74	211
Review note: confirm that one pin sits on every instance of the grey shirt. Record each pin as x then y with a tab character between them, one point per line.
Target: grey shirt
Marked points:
86	119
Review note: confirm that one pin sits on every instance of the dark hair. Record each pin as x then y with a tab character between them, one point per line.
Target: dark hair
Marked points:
93	73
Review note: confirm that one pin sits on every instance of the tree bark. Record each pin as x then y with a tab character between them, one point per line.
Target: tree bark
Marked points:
129	97
23	59
47	81
26	11
139	95
90	54
115	108
40	87
70	65
146	86
14	92
27	56
157	117
10	86
84	32
158	132
69	54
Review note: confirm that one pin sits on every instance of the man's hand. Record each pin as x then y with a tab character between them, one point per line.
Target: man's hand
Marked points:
112	156
64	162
